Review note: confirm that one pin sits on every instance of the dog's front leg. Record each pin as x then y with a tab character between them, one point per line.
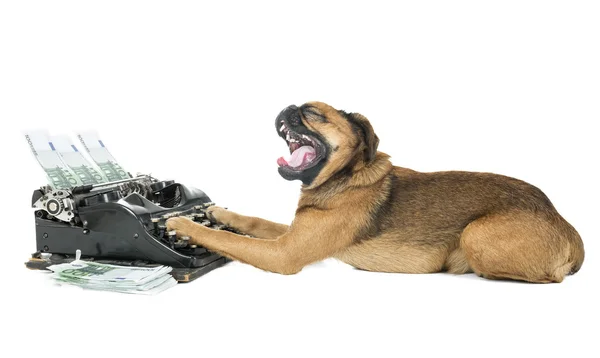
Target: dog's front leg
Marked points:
314	236
257	227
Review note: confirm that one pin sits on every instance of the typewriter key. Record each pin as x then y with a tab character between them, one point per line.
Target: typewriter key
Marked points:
180	244
155	222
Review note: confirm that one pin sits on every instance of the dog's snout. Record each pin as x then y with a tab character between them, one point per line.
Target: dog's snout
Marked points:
293	115
290	115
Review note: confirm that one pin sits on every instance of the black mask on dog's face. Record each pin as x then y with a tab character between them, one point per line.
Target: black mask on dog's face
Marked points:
308	150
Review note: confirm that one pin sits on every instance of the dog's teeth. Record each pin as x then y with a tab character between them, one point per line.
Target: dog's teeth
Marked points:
282	128
287	137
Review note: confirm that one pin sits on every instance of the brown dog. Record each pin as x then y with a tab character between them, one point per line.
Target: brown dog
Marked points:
357	207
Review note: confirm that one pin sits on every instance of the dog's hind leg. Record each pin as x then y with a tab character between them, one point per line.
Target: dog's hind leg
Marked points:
522	245
253	226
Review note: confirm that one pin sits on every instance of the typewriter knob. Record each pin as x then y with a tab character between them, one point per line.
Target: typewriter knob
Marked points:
54	206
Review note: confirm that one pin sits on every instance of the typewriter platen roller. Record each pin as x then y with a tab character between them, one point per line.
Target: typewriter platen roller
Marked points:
123	222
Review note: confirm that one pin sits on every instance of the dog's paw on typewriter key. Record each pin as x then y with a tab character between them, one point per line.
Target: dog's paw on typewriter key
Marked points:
184	226
220	215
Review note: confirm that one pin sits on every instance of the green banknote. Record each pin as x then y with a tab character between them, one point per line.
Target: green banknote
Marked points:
59	175
125	279
87	172
101	156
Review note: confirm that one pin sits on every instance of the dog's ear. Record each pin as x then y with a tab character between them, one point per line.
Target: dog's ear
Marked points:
368	134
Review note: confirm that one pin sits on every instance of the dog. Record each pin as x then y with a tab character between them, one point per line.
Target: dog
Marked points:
357	207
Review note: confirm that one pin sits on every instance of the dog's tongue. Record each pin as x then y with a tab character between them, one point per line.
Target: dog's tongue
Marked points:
300	157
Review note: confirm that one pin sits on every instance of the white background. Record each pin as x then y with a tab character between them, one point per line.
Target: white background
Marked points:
190	91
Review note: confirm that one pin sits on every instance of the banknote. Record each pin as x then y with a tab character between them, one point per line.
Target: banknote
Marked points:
125	279
87	270
101	156
149	288
87	172
60	176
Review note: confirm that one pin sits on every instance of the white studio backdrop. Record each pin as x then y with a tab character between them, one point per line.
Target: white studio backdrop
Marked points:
190	91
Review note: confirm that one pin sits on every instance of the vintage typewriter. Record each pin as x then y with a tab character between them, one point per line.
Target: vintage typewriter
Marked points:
122	222
94	207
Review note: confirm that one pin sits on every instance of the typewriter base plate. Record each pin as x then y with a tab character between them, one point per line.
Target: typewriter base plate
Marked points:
180	274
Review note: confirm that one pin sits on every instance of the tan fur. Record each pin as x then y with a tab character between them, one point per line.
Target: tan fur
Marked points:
377	217
521	246
386	255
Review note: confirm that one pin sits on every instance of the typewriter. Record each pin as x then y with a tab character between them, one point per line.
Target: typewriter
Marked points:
122	222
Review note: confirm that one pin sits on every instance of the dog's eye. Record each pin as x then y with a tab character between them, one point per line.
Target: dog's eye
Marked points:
311	113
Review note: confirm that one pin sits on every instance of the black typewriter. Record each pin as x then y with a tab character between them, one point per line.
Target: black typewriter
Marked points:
122	222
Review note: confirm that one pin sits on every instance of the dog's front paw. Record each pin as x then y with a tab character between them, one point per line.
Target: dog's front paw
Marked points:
185	227
218	214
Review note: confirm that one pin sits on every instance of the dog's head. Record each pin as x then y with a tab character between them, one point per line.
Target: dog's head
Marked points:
323	141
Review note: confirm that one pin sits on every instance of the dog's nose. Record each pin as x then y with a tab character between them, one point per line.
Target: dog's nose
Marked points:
289	111
290	115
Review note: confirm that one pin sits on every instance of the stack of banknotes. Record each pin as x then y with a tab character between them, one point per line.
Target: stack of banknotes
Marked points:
125	279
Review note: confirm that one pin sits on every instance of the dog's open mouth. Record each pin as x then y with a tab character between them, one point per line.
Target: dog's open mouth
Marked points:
305	150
